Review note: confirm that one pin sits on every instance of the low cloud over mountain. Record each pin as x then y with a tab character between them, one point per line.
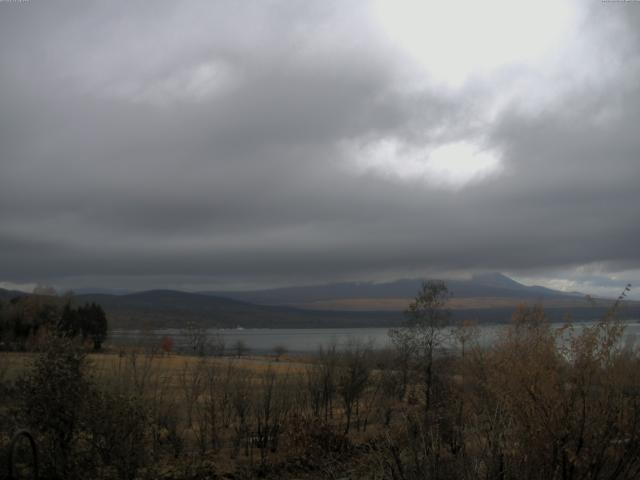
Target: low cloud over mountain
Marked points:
212	145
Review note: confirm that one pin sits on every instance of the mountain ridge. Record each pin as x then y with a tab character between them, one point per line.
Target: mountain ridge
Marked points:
384	306
495	285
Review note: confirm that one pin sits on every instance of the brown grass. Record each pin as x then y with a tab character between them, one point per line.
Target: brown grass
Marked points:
401	304
14	364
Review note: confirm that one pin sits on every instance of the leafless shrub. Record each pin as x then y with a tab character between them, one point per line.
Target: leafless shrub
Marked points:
240	348
241	392
271	408
191	380
217	345
353	378
279	351
117	427
321	381
197	339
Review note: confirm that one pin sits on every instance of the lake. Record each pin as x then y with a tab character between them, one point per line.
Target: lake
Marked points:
303	340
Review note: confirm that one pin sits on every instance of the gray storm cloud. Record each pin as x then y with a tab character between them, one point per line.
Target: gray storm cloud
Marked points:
190	143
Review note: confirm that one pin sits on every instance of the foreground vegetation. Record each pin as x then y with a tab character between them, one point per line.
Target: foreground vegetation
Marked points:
539	403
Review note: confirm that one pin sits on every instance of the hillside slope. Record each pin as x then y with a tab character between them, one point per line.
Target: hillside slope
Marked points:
353	295
487	298
169	308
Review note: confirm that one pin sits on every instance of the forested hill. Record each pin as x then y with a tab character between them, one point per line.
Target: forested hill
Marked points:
170	308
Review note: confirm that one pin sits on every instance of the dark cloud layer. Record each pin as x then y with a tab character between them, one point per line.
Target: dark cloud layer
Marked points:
195	144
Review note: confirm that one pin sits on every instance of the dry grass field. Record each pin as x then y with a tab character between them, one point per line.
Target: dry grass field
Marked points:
15	363
400	304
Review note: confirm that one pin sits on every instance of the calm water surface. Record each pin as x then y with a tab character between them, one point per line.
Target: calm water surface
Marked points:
305	340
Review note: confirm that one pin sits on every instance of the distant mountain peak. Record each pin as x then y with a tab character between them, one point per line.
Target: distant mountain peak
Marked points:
495	279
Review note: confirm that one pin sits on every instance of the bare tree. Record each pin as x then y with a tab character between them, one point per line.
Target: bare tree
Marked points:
217	344
353	378
321	381
241	401
197	338
279	351
424	332
191	379
240	348
405	346
270	411
216	409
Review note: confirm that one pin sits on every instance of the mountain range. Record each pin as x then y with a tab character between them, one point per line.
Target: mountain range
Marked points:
388	296
485	298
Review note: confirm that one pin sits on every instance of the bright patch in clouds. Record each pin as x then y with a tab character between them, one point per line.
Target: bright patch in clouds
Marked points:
451	165
192	84
593	279
454	40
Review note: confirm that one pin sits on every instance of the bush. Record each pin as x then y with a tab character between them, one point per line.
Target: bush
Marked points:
52	398
116	427
79	428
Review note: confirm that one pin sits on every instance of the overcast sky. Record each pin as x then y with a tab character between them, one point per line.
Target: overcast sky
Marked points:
199	144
